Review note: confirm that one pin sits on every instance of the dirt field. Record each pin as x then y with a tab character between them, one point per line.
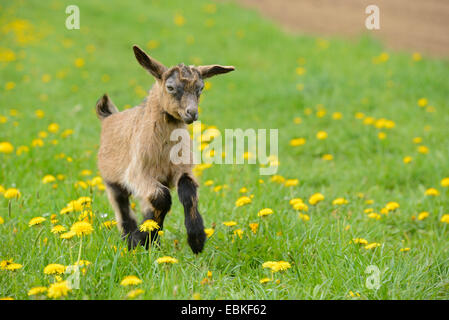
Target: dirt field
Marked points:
413	25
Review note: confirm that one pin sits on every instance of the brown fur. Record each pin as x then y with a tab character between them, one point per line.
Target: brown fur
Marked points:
135	144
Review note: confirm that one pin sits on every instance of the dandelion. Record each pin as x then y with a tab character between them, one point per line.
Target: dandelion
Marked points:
130	281
179	20
254	226
327	157
79	62
37	290
354	294
209	232
239	233
359	241
422	102
11	193
392	205
265	212
109	224
423	149
13	266
315	198
58	229
230	223
2	221
242	201
82	228
277	178
404	249
297	142
407	159
291	182
264	280
167	260
6	147
321	135
432	192
276	266
134	293
48	179
54	268
148	226
300	206
372	245
304	217
445	218
374	216
423	215
68	235
36	221
58	289
445	182
339	201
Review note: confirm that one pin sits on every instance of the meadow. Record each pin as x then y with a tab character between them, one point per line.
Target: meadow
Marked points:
363	176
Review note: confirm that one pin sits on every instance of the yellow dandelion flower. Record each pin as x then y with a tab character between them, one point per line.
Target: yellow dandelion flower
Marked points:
58	289
242	201
37	290
337	115
297	142
239	233
445	218
359	241
54	268
265	212
82	228
11	193
36	221
13	266
109	224
230	223
291	182
422	102
339	201
277	178
432	192
179	20
372	245
404	249
6	147
407	159
354	294
375	216
445	182
130	281
208	183
2	221
48	179
304	217
58	229
316	198
166	259
79	62
392	205
423	215
134	293
264	280
423	149
209	232
68	235
276	266
254	226
321	135
148	226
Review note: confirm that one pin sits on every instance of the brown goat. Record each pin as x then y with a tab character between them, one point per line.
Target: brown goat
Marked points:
134	155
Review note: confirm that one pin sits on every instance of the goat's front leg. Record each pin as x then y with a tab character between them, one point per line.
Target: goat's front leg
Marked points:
187	192
156	207
126	220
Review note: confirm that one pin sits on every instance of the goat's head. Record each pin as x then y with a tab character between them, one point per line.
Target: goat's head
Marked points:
180	85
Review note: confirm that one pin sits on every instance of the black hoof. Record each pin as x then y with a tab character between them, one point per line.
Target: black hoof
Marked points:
196	240
136	238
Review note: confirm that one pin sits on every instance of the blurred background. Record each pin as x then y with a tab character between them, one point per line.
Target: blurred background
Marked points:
419	25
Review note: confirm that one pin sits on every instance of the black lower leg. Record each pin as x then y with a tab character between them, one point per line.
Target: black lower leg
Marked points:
128	224
161	205
187	191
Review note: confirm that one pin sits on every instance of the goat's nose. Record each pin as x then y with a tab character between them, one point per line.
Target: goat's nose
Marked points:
193	113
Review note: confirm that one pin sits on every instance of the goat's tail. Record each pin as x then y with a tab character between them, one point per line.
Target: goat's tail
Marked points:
105	107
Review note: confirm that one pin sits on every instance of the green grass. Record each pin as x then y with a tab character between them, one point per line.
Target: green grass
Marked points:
261	93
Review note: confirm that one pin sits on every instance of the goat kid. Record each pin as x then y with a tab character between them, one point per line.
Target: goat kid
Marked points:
134	154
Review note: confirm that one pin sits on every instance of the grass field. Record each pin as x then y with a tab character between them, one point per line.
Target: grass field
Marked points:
385	115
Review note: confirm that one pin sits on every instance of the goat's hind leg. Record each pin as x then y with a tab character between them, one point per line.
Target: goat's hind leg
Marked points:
126	220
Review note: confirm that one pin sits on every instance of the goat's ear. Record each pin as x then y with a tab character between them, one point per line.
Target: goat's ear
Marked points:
214	69
151	65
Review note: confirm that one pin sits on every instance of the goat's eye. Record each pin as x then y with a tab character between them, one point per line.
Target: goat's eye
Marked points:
170	89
